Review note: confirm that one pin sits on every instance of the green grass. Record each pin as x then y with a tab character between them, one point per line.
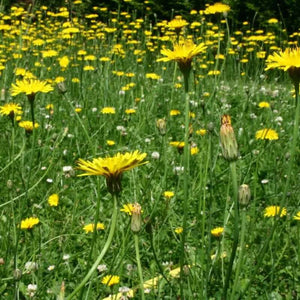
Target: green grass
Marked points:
266	264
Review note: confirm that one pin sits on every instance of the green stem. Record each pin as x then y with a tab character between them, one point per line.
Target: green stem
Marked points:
138	260
236	228
103	252
186	159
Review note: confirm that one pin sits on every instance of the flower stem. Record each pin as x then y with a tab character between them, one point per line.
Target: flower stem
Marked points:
186	159
236	228
138	260
103	252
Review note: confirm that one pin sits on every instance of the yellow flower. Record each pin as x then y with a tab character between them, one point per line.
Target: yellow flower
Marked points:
108	110
178	230
194	150
112	167
272	21
90	227
177	23
28	126
183	53
217	232
285	60
10	109
78	109
127	208
272	211
110	142
53	200
64	61
266	134
130	111
174	112
152	76
29	223
168	194
297	216
217	8
110	280
30	87
201	132
264	104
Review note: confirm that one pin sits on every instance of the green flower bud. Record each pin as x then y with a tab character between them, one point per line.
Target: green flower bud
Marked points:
244	194
227	138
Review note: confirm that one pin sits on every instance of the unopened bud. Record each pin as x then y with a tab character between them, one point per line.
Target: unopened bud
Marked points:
244	194
2	97
9	184
1	261
227	138
17	274
136	220
62	87
161	125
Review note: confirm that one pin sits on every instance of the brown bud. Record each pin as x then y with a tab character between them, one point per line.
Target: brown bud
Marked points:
227	138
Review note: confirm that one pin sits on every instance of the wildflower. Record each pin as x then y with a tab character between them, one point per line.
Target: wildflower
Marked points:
29	223
53	200
266	134
31	289
217	232
112	167
66	256
178	230
161	125
217	8
153	76
201	132
174	112
28	126
78	109
90	227
110	142
108	110
168	194
102	268
51	268
127	208
297	216
227	138
273	211
136	221
110	280
130	111
64	62
155	155
30	87
287	60
183	53
264	104
10	109
244	194
194	150
177	24
31	266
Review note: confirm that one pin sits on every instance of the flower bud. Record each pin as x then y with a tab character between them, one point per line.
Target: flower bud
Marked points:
136	220
61	86
17	274
161	125
227	138
244	194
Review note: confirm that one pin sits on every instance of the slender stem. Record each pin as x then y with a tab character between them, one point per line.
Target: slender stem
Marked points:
236	228
103	252
186	166
32	111
138	260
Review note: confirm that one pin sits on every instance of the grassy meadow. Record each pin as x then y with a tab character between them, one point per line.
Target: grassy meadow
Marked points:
91	86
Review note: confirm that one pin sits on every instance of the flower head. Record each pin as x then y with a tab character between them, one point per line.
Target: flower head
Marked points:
272	211
108	110
112	167
168	194
90	227
127	208
30	87
297	216
28	126
183	53
177	24
178	230
217	8
266	134
53	200
110	280
217	232
227	138
10	109
29	223
264	104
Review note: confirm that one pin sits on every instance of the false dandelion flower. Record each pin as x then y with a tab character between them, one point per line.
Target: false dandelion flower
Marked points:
174	112
266	134
28	126
127	208
108	110
178	230
11	110
90	227
217	8
168	194
110	280
110	143
264	104
53	200
217	232
273	211
183	53
29	223
201	132
297	216
112	167
177	24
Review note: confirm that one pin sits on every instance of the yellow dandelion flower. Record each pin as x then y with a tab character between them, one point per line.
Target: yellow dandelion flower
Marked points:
53	200
217	8
289	58
29	223
30	87
168	194
108	110
264	104
174	112
130	111
10	109
178	230
297	216
194	150
153	76
28	126
266	134
183	53
110	280
201	132
272	211
90	227
217	232
64	61
112	167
